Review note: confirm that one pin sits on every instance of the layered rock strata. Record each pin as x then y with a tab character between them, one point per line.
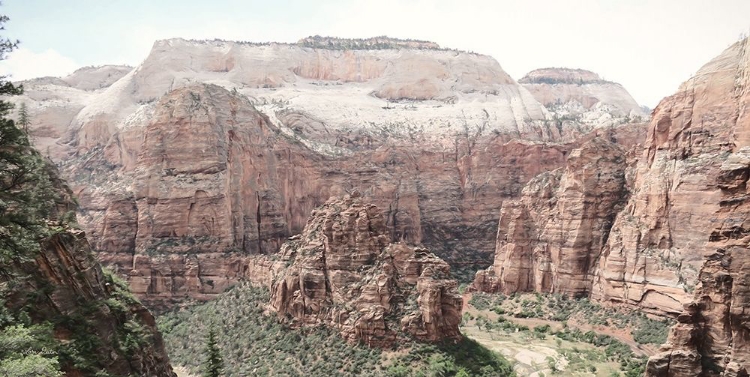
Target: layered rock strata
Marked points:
711	334
343	272
682	237
179	182
551	238
100	326
577	96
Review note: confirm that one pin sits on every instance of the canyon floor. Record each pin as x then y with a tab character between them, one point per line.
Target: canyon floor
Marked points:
522	329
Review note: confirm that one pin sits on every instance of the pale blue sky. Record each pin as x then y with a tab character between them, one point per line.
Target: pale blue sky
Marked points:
648	46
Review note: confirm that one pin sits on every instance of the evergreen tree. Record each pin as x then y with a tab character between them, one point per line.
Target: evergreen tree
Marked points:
25	197
26	194
23	119
214	364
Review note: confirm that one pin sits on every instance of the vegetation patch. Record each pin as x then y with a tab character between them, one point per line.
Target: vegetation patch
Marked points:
560	308
254	343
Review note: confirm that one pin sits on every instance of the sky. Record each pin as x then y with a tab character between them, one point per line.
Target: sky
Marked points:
650	47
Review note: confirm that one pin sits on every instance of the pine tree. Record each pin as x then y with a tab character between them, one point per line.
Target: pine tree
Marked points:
23	119
214	364
26	193
25	197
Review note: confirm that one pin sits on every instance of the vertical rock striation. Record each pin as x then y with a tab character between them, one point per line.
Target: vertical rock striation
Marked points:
551	238
342	272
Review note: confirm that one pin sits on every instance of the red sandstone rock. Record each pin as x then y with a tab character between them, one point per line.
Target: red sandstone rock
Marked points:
342	272
550	239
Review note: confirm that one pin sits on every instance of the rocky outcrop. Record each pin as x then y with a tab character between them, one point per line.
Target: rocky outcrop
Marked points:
342	272
551	238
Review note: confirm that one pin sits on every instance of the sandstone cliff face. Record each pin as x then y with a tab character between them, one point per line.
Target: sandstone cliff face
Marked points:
342	272
710	338
658	243
79	301
99	325
551	238
179	204
176	193
684	227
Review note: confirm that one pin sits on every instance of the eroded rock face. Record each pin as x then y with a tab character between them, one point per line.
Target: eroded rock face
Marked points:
178	205
179	182
551	238
677	208
660	240
63	284
343	272
711	336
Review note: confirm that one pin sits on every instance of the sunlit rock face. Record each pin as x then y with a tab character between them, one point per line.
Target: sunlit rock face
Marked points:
711	336
342	272
551	238
678	245
212	152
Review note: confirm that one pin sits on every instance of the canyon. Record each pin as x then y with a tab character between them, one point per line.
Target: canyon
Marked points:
195	168
212	152
666	234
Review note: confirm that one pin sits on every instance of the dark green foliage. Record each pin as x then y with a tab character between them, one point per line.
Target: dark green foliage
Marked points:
253	343
24	120
631	364
214	364
649	331
26	349
560	308
451	359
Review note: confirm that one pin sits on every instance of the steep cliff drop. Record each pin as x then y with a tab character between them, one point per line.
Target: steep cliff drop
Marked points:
711	336
680	239
342	272
57	302
551	238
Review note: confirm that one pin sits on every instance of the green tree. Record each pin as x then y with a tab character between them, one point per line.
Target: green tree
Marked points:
24	121
214	364
25	349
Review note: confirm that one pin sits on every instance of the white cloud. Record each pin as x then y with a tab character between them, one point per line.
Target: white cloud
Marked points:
23	64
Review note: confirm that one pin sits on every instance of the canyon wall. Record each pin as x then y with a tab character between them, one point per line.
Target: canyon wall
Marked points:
678	245
211	152
711	336
551	238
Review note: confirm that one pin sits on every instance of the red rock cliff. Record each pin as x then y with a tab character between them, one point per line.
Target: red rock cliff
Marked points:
551	238
342	271
711	337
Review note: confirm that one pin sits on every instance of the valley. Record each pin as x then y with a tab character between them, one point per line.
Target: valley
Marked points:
371	207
